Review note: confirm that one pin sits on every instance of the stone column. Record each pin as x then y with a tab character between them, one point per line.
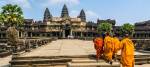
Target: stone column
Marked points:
63	34
80	34
71	32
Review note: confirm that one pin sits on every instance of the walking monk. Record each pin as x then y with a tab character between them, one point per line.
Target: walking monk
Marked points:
116	43
127	52
108	48
98	44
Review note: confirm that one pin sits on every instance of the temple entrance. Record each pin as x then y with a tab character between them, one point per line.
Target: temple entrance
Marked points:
67	32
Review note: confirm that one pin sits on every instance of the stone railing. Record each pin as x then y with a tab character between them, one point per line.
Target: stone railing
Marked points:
26	46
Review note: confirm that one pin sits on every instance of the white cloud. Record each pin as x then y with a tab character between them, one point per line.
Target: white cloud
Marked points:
58	2
22	3
64	1
74	13
91	16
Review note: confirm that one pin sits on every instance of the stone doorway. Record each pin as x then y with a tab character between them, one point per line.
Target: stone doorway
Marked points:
67	32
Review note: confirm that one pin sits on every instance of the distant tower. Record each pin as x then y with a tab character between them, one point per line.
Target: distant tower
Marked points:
47	15
82	16
64	13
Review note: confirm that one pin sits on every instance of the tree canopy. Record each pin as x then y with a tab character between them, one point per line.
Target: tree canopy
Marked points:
11	15
104	27
127	28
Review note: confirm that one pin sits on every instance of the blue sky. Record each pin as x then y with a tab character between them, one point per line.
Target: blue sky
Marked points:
123	11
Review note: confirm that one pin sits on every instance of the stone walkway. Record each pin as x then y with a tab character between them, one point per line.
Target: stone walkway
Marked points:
4	62
62	48
66	47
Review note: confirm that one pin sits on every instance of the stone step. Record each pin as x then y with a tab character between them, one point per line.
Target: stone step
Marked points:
19	65
100	64
39	61
39	65
86	61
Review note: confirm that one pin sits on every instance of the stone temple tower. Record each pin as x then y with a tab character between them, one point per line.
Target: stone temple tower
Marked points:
64	13
47	15
82	16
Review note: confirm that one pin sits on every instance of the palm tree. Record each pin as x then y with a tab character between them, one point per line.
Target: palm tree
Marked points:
12	16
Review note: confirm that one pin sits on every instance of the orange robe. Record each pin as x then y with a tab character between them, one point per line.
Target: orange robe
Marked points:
98	43
108	48
127	53
116	43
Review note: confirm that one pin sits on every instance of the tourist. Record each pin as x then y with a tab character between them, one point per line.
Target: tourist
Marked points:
98	44
116	44
108	48
127	52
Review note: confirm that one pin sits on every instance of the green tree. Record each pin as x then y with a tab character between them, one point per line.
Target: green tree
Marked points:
12	15
104	27
127	28
1	19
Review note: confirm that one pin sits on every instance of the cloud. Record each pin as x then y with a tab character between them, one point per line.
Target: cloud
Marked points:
91	15
74	13
22	3
58	2
64	1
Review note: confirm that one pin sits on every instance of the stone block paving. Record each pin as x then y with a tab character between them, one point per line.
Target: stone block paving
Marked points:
64	47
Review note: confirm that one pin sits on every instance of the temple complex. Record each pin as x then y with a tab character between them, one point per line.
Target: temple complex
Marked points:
65	26
60	27
142	30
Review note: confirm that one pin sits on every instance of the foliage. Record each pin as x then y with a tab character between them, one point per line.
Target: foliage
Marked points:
127	28
12	15
104	27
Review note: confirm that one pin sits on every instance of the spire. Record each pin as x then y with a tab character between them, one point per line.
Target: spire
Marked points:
82	16
64	13
47	15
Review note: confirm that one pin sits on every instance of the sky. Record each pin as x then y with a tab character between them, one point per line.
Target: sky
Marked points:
123	11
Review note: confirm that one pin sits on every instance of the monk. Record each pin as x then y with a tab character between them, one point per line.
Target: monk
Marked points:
98	44
108	48
127	52
116	43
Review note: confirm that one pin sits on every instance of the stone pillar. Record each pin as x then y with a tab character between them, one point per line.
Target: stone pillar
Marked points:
71	32
63	34
80	34
30	34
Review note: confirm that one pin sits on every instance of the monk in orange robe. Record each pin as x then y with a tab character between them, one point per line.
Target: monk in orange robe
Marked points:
127	52
108	48
98	44
116	43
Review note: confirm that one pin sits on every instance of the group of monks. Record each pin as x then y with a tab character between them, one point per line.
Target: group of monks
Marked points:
107	47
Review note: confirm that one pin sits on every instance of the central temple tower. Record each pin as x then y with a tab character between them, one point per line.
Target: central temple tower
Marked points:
64	13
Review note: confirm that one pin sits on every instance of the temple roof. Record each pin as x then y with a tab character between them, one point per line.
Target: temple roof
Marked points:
28	21
47	14
113	22
82	16
90	23
65	13
144	23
